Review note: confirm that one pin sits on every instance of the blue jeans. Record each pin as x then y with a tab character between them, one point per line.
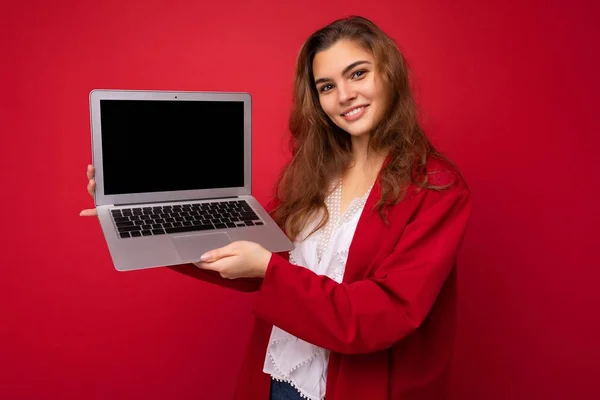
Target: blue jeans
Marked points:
283	391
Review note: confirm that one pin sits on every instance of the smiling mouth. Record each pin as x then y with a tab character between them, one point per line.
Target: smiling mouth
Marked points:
354	113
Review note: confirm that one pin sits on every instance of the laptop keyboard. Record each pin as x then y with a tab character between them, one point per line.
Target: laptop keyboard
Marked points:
161	220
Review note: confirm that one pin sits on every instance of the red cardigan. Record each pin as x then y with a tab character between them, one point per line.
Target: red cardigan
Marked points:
390	324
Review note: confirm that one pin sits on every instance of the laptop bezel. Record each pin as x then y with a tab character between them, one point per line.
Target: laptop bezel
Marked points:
102	199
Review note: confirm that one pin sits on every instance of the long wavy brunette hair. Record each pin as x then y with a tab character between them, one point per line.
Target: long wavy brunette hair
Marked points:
321	151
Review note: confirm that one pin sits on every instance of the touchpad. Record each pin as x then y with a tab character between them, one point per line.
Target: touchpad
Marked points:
191	247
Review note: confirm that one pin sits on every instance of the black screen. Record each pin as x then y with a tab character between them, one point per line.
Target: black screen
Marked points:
162	145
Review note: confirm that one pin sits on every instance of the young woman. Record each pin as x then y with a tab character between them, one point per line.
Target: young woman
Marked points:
364	306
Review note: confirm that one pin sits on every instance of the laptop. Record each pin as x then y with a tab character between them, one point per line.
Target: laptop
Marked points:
173	176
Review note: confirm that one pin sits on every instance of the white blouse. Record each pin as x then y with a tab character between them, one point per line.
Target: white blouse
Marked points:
290	359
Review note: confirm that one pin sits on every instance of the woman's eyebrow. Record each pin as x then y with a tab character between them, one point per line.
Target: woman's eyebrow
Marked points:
348	68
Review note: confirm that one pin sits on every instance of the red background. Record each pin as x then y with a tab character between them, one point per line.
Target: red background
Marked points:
507	88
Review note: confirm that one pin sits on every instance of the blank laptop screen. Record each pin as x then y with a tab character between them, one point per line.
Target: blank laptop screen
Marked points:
162	145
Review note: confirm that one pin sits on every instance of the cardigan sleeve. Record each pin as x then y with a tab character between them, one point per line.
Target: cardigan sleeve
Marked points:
371	314
240	284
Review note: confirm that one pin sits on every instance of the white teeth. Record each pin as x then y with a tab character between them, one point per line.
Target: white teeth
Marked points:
353	112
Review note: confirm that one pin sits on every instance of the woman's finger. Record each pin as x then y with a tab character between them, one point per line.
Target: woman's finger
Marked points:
91	187
210	266
90	171
220	266
217	254
88	213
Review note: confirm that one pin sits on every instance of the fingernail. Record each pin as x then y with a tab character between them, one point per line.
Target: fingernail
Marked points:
204	257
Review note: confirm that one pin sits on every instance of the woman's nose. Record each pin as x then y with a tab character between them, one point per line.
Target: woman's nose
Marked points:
346	93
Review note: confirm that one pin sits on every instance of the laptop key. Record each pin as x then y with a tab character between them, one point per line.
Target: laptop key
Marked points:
158	231
135	234
146	233
192	228
129	228
125	223
124	235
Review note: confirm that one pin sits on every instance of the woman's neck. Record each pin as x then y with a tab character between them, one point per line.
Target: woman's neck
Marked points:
368	161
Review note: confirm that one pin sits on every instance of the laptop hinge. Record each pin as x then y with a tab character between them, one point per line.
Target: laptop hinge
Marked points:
175	201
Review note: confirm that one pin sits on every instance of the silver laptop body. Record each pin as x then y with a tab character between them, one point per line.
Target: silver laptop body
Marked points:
173	176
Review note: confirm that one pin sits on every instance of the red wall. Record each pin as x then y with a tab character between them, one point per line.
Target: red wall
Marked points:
508	89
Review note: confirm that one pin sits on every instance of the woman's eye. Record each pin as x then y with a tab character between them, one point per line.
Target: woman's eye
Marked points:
358	74
326	88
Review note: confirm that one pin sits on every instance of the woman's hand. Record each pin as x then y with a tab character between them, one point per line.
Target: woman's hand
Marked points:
91	188
237	260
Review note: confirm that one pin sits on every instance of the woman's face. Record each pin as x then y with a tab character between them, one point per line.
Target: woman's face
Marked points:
350	90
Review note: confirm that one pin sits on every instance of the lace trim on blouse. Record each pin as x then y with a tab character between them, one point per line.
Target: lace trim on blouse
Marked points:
290	359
